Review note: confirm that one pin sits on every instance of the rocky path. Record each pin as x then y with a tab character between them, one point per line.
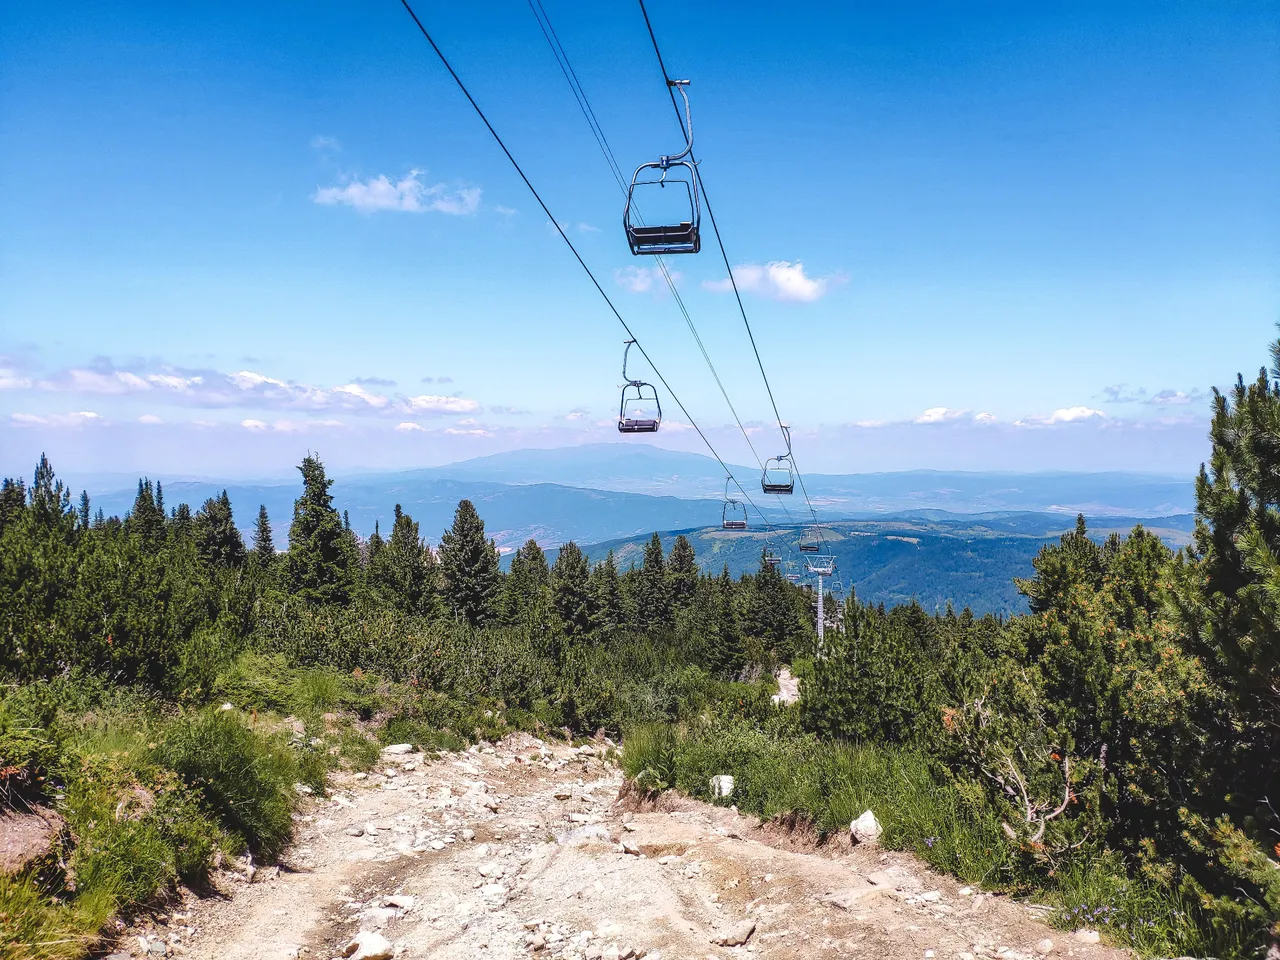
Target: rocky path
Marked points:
524	850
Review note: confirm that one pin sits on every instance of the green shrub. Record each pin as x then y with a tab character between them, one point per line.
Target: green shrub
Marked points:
245	780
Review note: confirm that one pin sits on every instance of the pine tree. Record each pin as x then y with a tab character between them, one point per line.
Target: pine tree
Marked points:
725	654
682	570
146	520
1227	591
469	566
13	500
524	591
82	515
606	591
769	617
318	562
401	570
180	525
217	540
264	547
653	593
571	590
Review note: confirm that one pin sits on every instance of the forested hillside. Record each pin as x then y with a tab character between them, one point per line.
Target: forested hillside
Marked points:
1111	751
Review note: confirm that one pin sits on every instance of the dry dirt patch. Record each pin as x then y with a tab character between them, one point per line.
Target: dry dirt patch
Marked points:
524	850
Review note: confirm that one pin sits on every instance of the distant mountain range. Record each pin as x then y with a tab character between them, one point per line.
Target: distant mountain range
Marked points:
931	557
929	535
612	491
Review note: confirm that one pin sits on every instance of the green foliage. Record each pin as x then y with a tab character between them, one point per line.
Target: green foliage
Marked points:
264	547
217	540
469	567
245	781
318	561
571	591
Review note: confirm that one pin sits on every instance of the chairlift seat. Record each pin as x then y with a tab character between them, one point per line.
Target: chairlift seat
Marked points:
809	548
680	238
771	487
735	524
637	426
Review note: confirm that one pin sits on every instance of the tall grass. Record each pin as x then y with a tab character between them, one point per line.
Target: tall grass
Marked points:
782	773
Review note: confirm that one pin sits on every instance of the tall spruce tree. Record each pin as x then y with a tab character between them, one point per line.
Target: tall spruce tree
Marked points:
146	520
318	562
653	593
524	591
725	654
401	570
571	590
682	570
606	590
469	567
264	547
217	540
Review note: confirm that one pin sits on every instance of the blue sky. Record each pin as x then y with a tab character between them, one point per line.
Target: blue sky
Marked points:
988	236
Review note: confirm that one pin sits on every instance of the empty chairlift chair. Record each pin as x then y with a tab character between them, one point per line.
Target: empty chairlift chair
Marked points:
779	472
811	540
640	411
734	514
679	211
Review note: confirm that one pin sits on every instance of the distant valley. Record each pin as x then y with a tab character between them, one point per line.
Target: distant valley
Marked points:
928	535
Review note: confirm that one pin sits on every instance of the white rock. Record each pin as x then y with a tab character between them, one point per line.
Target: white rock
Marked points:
226	706
354	831
468	834
737	936
401	901
966	891
1087	936
398	748
1044	947
631	848
368	945
866	829
722	785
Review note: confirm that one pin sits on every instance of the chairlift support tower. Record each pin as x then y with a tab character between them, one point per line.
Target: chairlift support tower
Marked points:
821	567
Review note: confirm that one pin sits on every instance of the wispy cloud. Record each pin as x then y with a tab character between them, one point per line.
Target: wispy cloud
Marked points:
150	419
408	194
777	280
474	432
373	381
1175	398
78	419
243	388
427	403
437	380
644	279
409	426
509	411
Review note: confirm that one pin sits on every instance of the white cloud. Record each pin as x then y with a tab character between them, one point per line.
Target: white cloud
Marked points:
1175	398
506	211
984	418
10	380
940	415
360	393
427	403
644	279
253	424
455	432
116	382
1062	415
77	419
319	142
409	427
777	280
304	426
408	194
150	419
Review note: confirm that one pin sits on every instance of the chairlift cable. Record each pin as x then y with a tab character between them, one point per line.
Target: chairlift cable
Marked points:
725	256
577	256
584	105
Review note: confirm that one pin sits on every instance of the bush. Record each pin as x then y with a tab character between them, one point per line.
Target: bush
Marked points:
245	780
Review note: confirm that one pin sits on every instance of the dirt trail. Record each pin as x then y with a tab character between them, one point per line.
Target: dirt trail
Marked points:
518	851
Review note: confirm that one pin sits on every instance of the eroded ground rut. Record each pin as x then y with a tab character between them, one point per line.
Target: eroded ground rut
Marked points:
518	851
